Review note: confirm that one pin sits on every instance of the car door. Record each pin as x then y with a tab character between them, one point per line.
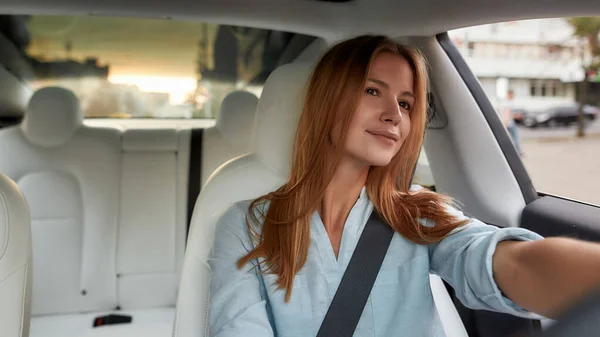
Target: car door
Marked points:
546	212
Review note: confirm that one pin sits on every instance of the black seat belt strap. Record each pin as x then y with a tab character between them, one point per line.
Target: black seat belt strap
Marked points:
195	173
351	296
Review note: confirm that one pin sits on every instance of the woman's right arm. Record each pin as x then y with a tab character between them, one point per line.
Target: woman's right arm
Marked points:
237	307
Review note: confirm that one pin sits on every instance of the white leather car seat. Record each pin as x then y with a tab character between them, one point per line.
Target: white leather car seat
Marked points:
69	175
15	261
232	134
243	178
248	177
109	212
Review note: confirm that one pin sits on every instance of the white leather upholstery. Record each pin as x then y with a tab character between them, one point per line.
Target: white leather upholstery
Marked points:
150	140
280	107
109	211
15	261
146	323
69	175
232	135
243	178
151	228
150	239
451	321
73	193
52	129
109	218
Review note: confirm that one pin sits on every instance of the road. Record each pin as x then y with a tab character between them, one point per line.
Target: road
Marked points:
569	167
558	132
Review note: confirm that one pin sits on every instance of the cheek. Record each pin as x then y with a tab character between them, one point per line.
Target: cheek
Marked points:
405	126
354	136
405	131
357	126
365	112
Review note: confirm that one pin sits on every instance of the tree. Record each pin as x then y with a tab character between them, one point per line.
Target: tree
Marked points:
586	29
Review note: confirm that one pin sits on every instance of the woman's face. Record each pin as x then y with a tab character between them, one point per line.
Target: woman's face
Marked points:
381	122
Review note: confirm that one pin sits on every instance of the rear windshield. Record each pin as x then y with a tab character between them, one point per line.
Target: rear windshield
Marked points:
149	68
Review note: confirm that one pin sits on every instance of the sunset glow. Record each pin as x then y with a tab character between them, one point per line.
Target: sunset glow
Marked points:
176	87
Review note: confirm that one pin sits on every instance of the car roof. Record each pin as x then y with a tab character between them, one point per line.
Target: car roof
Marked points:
331	20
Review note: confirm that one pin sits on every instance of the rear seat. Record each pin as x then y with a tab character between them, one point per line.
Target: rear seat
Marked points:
149	241
152	223
69	175
109	213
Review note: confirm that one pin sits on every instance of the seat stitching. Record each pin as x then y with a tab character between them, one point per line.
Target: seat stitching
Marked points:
6	218
11	274
24	297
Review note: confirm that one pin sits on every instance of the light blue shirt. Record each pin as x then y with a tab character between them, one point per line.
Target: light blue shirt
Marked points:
247	303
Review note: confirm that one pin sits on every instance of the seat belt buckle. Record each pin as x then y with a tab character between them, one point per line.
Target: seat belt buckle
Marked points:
111	320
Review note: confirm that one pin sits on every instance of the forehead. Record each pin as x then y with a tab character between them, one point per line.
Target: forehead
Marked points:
392	69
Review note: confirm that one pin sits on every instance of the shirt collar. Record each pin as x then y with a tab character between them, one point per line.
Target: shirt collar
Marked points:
363	194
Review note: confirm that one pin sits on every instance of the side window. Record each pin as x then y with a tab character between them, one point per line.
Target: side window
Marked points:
543	78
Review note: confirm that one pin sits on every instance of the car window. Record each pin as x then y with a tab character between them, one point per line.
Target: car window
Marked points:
541	70
152	68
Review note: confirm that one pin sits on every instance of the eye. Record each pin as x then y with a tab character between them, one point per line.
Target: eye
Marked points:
404	105
372	91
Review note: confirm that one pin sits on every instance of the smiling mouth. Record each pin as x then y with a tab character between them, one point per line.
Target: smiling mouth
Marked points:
386	134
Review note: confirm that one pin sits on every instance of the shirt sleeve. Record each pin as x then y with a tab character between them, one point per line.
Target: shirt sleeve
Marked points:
464	260
237	302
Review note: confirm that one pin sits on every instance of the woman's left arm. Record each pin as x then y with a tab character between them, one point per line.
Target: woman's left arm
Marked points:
547	276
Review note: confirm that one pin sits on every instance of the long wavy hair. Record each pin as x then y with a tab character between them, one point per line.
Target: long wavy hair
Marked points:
281	234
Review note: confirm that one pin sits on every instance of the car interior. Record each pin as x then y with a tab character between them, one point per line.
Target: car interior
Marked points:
106	224
15	259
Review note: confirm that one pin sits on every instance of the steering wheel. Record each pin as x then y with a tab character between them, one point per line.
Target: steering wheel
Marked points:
581	321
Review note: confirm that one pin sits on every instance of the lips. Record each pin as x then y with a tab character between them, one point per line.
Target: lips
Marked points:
385	133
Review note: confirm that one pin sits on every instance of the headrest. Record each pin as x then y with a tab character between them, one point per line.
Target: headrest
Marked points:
278	113
236	119
52	117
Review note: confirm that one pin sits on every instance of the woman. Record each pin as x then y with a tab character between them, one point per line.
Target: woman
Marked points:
277	261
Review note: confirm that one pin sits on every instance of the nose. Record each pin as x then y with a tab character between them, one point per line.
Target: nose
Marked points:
391	114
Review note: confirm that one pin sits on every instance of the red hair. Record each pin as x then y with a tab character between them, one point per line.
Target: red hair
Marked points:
283	238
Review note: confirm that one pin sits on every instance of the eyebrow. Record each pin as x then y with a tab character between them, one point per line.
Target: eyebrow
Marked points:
385	85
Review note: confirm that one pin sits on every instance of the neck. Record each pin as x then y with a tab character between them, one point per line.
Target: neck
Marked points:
342	192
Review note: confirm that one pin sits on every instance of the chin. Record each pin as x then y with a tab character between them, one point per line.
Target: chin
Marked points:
382	161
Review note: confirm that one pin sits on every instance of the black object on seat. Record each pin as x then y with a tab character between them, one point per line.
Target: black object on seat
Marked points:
111	320
351	296
195	172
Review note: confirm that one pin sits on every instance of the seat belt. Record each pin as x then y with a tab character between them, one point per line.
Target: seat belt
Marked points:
195	173
351	296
